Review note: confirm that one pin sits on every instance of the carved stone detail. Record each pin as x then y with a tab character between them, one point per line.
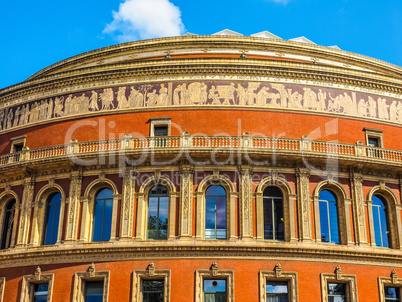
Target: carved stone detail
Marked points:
186	200
358	208
245	175
303	196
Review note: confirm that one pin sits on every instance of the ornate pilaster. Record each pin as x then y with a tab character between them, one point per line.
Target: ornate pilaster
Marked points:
26	208
245	205
186	201
358	207
74	197
303	202
127	206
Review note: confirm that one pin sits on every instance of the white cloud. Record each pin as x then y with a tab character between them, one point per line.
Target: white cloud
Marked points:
145	19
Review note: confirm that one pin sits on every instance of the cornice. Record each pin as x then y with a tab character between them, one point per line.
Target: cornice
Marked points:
244	251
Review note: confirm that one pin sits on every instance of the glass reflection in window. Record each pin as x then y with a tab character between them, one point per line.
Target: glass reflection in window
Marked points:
328	217
103	210
277	291
52	217
380	221
8	224
337	292
215	213
158	211
215	290
273	214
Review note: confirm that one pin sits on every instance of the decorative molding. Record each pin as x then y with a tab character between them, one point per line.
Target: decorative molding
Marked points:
90	275
338	277
28	282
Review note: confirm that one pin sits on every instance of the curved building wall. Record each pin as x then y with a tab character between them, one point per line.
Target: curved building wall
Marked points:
158	130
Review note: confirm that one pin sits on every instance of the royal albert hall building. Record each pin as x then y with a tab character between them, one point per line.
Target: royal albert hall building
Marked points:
206	169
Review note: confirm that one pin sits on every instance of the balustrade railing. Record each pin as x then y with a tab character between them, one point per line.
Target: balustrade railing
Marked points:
187	142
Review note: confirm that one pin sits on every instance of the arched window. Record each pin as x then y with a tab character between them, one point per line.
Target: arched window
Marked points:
380	221
158	213
52	218
274	224
215	213
102	219
328	217
8	224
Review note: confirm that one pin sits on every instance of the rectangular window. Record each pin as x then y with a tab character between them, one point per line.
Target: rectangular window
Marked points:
161	131
277	291
93	291
373	142
337	292
392	294
153	290
41	291
214	290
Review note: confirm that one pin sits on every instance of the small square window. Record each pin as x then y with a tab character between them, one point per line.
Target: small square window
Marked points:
37	287
93	291
337	292
338	287
374	137
17	143
214	290
392	294
153	290
161	131
41	292
277	291
373	142
159	126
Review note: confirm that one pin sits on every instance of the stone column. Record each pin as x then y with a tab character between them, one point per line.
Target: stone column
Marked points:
358	209
127	205
140	227
74	198
245	204
26	208
186	202
303	203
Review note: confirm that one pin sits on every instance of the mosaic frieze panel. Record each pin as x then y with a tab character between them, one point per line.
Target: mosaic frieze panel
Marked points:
208	93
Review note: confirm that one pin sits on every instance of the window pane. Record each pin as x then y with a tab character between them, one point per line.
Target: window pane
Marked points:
337	292
40	292
215	285
380	221
215	191
153	290
8	225
328	217
52	217
268	222
161	131
158	211
392	294
279	220
324	221
103	210
215	213
93	291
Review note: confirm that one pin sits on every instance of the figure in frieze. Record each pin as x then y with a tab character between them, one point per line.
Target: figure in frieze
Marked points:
203	94
121	98
262	96
372	107
50	109
83	101
17	116
152	98
176	95
214	95
34	116
362	107
107	99
163	96
10	116
135	99
322	100
93	101
250	93
25	115
58	106
184	95
310	99
334	105
226	92
241	95
399	112
383	109
67	105
42	108
283	94
295	99
1	119
392	111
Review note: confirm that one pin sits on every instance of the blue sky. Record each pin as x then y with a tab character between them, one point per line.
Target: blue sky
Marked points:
36	34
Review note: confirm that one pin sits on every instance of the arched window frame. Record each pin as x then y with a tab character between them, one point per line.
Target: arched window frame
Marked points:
39	215
142	206
231	197
5	198
393	212
289	205
343	207
88	207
